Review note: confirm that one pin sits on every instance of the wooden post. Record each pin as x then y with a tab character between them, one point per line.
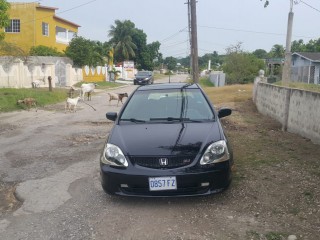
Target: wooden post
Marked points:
50	84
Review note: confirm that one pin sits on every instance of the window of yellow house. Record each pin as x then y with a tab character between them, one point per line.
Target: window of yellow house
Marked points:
14	26
45	29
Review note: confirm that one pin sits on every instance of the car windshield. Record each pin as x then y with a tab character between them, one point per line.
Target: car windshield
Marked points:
143	74
173	105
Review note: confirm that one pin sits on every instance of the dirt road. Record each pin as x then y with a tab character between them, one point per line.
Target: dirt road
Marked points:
51	158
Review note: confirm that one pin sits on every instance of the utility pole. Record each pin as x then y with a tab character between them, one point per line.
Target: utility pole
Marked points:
189	32
194	41
286	72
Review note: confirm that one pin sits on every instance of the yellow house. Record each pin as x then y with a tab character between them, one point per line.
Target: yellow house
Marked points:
32	24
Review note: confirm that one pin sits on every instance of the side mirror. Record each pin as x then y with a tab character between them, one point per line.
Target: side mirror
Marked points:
223	112
111	116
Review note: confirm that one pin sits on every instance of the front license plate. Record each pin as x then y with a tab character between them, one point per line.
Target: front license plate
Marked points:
162	183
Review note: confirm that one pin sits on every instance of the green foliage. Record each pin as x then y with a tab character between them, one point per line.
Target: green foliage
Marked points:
4	17
205	82
260	53
275	236
86	52
10	96
10	49
148	54
216	61
242	67
121	37
131	43
171	63
44	51
277	51
311	46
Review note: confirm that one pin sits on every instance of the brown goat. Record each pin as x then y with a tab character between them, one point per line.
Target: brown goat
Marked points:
29	102
117	96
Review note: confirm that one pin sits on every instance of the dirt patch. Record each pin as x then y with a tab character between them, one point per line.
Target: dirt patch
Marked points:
276	177
8	201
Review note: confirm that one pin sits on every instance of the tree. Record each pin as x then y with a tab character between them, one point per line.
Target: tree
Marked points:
171	63
277	51
121	37
85	52
240	66
260	53
215	59
4	16
149	55
44	51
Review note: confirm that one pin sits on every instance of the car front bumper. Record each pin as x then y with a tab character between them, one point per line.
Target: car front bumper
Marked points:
141	82
132	182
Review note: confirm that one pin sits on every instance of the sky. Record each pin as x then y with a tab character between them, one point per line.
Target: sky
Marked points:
220	24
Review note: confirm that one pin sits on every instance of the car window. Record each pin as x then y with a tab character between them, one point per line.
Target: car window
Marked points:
168	105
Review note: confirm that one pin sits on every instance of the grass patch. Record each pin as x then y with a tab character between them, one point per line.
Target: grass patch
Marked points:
10	96
231	93
101	85
275	236
205	82
304	86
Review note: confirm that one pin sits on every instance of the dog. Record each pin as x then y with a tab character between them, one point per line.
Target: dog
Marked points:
117	96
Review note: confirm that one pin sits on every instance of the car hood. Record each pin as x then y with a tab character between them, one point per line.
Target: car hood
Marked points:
164	139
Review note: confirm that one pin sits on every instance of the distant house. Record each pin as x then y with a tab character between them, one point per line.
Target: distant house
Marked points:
306	67
32	24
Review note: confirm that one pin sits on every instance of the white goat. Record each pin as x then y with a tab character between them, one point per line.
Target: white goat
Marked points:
87	88
36	84
71	104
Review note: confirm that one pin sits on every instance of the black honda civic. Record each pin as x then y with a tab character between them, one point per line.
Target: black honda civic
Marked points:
166	141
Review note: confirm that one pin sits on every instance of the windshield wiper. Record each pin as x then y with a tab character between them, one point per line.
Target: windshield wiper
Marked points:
133	120
169	119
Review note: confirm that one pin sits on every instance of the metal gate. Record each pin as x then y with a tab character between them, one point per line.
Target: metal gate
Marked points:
60	73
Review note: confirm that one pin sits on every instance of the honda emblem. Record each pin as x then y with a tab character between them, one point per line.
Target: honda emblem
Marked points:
163	161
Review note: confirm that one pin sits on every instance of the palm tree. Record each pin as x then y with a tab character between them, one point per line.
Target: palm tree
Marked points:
277	51
121	37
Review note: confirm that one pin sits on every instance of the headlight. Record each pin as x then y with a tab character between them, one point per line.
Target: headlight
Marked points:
112	155
216	152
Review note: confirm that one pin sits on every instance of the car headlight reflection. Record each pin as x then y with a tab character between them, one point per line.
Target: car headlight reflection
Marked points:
112	155
216	152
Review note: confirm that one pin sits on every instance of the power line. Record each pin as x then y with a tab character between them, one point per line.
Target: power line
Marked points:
249	31
310	6
81	5
178	43
173	35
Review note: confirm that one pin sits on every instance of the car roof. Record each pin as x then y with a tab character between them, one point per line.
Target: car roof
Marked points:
163	86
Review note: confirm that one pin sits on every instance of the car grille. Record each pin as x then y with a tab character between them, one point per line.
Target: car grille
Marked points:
155	162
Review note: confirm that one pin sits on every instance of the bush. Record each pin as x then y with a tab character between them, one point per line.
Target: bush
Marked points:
45	51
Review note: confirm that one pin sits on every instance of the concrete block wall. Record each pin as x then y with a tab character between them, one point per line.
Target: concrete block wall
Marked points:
297	110
304	114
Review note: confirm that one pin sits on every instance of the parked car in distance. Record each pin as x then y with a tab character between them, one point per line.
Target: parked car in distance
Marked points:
143	78
166	141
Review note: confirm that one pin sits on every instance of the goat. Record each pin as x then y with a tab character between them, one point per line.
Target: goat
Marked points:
87	88
29	102
36	83
71	104
117	96
71	91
